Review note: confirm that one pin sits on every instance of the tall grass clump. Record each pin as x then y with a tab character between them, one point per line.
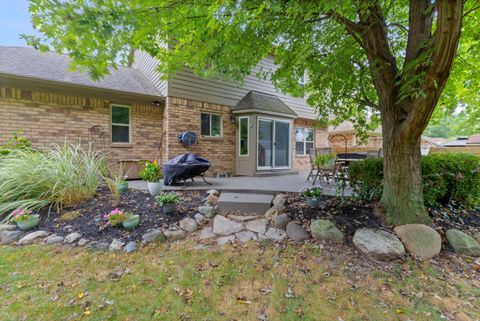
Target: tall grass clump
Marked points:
61	176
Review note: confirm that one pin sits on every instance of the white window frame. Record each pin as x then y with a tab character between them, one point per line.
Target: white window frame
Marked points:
124	125
210	129
240	136
290	144
304	140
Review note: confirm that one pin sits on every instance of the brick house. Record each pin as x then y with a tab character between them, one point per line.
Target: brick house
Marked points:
248	129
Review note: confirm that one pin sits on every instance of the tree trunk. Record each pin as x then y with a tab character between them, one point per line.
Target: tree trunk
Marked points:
402	198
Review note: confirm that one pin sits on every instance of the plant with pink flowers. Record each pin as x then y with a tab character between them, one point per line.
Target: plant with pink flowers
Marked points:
20	215
116	216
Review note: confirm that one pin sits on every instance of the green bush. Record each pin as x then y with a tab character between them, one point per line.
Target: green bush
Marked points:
60	176
16	141
448	179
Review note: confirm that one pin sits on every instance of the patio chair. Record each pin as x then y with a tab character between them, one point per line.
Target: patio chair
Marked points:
327	170
313	167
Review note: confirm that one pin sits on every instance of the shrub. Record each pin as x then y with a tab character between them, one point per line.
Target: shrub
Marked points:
16	141
151	172
60	176
448	179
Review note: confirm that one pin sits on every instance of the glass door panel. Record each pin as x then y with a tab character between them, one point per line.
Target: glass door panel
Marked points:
282	144
265	143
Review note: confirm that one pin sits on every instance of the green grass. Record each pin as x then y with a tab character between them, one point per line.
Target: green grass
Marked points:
179	282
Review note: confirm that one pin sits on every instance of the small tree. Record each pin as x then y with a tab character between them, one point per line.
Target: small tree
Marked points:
365	60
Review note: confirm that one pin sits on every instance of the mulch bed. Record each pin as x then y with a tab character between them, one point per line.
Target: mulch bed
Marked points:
91	224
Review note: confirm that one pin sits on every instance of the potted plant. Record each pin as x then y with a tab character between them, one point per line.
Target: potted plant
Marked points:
115	217
152	174
168	201
131	221
313	196
25	219
122	184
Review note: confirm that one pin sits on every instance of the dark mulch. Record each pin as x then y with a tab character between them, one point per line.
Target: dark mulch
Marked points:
92	226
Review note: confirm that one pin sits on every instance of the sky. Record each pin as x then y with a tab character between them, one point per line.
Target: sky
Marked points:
14	20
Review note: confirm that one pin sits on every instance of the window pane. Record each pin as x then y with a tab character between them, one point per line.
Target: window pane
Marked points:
300	135
205	124
120	115
309	147
299	148
120	134
243	136
216	126
309	134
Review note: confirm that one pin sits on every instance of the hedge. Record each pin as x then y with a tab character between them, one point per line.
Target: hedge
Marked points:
448	179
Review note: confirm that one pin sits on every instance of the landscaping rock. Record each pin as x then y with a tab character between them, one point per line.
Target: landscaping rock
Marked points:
225	239
281	221
82	242
30	237
420	240
99	246
211	199
72	237
8	227
279	200
188	224
200	219
272	213
116	246
7	237
175	235
258	226
296	232
207	210
243	218
223	226
274	234
245	236
130	247
378	244
326	231
206	233
54	239
476	236
213	192
153	236
463	243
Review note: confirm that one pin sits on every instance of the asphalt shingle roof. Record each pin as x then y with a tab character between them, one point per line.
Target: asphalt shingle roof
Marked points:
31	63
265	102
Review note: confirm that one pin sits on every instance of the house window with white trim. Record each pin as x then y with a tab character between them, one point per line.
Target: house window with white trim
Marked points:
303	141
120	122
243	135
210	125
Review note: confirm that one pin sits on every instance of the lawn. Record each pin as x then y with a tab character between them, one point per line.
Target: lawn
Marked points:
179	281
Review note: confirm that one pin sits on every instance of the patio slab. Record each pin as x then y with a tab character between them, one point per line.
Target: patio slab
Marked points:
245	203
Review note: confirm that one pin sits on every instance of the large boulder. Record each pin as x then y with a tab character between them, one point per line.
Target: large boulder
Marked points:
463	243
378	244
296	232
422	241
326	231
224	226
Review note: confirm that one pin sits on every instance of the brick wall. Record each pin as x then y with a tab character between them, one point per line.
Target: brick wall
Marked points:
302	162
184	115
47	118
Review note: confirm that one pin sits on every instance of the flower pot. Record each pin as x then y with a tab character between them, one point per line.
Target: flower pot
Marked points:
29	224
169	208
312	202
122	186
131	222
155	188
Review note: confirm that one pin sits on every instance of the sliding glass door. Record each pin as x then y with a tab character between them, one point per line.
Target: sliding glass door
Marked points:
273	144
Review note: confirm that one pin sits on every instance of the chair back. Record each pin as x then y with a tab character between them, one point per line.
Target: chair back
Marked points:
313	156
324	150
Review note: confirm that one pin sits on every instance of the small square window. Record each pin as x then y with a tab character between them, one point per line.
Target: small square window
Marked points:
303	141
210	125
120	124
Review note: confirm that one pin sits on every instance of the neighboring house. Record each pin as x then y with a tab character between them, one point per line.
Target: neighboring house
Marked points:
248	129
464	141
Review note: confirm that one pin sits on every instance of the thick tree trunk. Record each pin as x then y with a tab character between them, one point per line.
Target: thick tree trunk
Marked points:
402	198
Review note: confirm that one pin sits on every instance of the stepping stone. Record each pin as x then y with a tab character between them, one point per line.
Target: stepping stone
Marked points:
273	234
326	231
422	241
188	224
7	237
378	244
54	239
206	233
244	203
245	236
225	239
296	232
258	226
463	243
30	237
175	235
223	226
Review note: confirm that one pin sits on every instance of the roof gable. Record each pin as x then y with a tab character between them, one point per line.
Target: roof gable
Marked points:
257	101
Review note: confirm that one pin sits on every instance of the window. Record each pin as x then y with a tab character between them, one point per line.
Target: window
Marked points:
210	125
120	124
243	127
303	141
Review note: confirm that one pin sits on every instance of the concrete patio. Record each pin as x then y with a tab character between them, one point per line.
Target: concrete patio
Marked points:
247	184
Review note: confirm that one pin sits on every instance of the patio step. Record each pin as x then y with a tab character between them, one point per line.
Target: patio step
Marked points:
244	203
275	173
